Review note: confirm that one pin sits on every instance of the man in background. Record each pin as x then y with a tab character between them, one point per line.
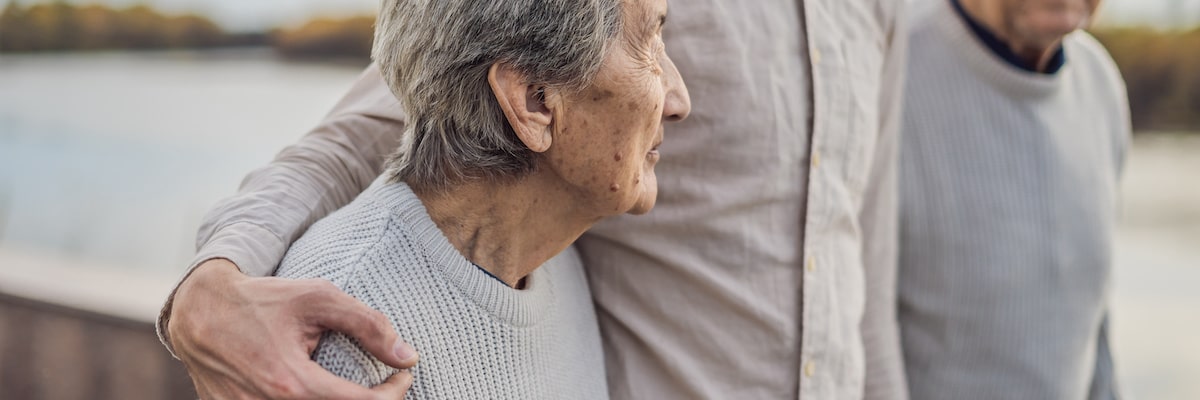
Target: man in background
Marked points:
767	269
1015	132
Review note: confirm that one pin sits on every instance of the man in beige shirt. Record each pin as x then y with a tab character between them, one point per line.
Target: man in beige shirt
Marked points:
767	269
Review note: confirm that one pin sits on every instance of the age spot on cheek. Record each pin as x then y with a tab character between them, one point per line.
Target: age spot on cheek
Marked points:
614	188
617	157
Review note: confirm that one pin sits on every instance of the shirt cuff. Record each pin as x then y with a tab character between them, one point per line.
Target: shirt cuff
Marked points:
255	250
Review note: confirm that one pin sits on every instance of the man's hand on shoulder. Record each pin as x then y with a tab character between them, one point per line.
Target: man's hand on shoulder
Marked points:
242	337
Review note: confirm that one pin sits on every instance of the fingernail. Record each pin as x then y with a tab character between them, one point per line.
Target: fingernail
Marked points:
403	351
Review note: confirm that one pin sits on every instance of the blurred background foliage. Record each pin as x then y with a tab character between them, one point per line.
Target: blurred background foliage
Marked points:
1161	67
1162	73
327	38
60	26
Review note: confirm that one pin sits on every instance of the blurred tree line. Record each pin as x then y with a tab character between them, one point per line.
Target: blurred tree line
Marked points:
62	26
1161	68
59	26
325	38
1162	74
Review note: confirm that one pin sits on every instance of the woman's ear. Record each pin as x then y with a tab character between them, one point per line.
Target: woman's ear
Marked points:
524	106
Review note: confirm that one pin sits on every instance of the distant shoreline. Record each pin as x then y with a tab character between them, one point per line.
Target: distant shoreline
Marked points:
1157	65
258	52
65	27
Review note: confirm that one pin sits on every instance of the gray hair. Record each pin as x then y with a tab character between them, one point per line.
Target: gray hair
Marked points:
435	56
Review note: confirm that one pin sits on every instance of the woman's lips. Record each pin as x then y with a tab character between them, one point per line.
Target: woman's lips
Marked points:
653	155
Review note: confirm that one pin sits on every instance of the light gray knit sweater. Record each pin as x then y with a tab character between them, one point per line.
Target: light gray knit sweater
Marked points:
478	338
1008	200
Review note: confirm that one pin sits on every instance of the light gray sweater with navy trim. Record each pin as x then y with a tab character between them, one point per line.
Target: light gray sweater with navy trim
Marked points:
1008	204
478	338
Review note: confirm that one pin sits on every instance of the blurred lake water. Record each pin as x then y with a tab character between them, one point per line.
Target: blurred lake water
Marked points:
115	157
112	159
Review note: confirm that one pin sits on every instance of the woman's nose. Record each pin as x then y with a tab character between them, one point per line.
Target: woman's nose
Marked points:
678	104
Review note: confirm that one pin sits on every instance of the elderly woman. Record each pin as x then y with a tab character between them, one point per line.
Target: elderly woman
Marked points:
529	121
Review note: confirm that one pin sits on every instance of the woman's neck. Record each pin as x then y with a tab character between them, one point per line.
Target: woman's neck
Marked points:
508	229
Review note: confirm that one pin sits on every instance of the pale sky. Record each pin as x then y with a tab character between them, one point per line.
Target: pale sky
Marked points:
249	15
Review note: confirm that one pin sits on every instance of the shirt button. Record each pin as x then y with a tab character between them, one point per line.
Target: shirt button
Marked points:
810	369
812	264
816	159
816	55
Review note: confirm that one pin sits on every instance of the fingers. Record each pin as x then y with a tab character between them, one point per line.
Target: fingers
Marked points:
321	384
394	387
340	312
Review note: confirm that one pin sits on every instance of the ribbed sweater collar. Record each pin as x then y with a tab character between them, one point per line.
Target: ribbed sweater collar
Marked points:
990	67
520	308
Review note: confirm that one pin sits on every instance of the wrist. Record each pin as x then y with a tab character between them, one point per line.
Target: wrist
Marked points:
209	275
221	268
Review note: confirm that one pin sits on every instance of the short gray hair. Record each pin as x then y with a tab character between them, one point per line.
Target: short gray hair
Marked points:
435	56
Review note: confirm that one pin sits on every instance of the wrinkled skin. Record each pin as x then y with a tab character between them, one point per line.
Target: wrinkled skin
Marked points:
607	135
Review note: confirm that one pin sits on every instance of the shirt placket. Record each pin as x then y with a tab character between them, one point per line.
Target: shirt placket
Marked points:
817	373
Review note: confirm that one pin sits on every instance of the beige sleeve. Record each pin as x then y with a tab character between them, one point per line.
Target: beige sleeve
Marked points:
306	181
885	378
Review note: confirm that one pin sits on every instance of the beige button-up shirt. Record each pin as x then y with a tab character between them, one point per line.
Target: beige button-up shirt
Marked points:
767	269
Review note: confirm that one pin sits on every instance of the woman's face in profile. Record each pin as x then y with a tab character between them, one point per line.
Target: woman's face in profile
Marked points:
607	135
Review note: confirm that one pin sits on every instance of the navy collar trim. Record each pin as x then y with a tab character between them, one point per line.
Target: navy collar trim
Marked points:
490	274
1000	49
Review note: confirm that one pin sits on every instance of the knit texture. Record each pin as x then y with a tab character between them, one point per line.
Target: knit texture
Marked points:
1008	200
478	338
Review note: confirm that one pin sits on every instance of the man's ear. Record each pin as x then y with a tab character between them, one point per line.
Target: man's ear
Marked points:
524	106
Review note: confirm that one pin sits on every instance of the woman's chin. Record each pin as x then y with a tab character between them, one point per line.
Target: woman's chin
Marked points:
648	195
642	207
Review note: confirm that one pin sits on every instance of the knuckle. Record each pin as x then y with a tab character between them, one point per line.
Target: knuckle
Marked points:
325	286
379	320
362	322
373	324
318	291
